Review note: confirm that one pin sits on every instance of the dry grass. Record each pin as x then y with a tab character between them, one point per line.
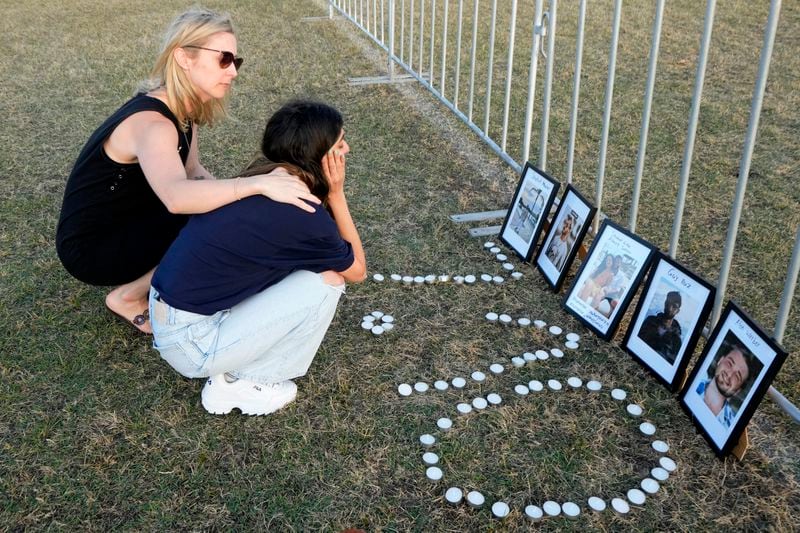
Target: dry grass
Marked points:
97	433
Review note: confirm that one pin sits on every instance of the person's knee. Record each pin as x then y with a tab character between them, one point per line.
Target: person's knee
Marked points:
332	278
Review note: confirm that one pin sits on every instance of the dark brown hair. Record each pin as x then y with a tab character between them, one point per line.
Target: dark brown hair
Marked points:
296	138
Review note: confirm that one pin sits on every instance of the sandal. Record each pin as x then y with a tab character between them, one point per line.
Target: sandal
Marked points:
137	321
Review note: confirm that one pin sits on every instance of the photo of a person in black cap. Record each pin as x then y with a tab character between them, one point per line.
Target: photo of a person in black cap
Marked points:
662	332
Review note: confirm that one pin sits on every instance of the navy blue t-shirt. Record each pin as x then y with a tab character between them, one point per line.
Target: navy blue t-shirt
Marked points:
224	256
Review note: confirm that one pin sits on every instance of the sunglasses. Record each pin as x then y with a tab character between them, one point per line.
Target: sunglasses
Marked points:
226	59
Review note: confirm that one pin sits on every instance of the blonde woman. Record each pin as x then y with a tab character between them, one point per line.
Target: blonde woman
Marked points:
139	175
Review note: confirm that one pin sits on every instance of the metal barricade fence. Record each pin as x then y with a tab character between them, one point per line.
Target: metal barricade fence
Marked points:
426	24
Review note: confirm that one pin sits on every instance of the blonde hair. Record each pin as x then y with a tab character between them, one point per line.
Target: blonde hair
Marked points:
191	28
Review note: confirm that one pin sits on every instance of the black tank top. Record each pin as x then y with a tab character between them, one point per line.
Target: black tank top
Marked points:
108	203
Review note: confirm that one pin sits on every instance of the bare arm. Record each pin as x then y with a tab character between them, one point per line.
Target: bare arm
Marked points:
153	139
194	169
334	168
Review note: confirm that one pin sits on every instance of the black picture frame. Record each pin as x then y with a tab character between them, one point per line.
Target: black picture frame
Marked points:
734	331
526	215
664	344
556	254
608	279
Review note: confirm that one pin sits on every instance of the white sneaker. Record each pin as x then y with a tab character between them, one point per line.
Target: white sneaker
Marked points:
220	397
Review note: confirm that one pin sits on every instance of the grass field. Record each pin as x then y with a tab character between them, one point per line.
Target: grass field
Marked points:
97	433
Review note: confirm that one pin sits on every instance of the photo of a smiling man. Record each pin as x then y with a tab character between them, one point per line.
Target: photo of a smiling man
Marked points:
728	380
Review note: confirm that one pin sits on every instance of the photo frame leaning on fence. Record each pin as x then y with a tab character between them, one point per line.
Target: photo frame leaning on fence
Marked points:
563	240
668	320
608	279
737	365
528	211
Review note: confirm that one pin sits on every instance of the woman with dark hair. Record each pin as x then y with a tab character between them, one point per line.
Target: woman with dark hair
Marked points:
246	292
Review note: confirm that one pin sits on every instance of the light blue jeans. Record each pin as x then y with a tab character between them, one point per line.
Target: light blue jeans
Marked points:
270	337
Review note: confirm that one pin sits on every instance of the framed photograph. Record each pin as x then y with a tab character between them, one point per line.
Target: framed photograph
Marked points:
733	373
668	320
608	278
529	207
561	243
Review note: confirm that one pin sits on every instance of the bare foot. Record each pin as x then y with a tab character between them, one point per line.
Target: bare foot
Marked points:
133	312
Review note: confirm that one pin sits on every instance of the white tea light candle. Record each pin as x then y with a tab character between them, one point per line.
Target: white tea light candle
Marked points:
479	403
636	497
444	424
570	510
533	513
647	428
454	495
650	486
551	508
634	410
668	464
660	446
430	458
575	382
620	506
659	474
596	504
475	499
434	473
500	509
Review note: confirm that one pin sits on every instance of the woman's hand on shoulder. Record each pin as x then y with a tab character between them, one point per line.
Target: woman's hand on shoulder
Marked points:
333	165
286	188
